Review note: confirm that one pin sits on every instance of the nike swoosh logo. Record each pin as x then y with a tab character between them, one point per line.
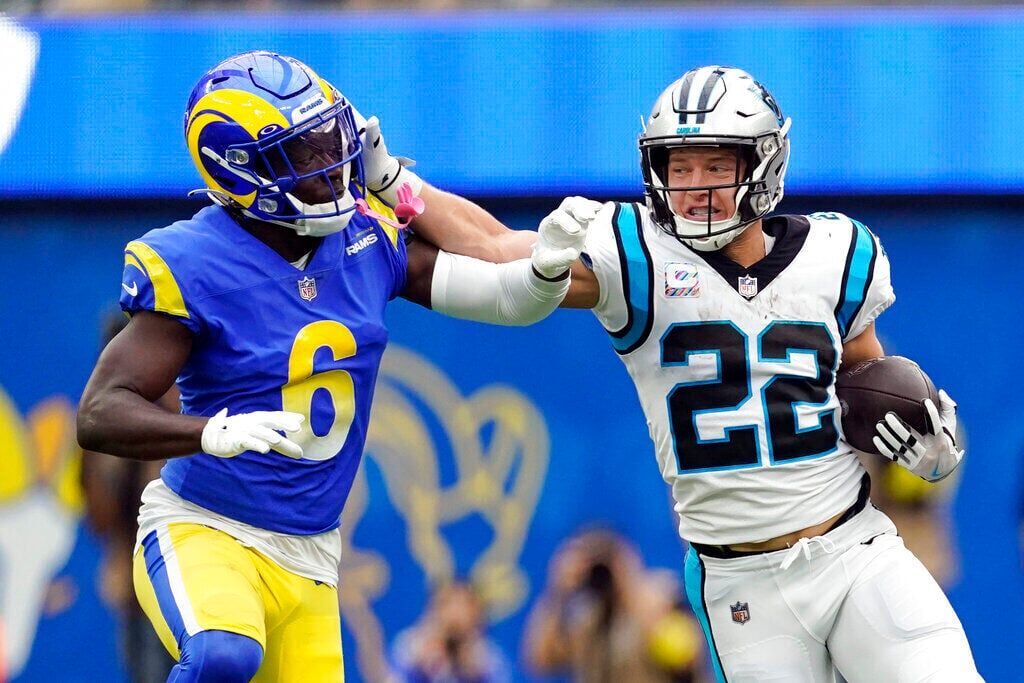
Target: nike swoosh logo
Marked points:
132	291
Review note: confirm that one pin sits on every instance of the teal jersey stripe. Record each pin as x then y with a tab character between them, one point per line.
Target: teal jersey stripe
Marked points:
636	277
858	277
693	577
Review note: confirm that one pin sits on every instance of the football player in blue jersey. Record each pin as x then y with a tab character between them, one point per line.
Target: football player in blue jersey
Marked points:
267	311
732	324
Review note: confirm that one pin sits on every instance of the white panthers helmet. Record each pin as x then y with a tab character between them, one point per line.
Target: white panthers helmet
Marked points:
716	106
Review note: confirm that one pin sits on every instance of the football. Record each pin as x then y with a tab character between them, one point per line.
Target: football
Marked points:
872	388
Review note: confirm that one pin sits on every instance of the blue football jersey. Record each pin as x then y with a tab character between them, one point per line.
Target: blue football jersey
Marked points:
269	336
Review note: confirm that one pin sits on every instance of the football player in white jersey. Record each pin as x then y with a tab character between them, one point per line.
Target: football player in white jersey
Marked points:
733	325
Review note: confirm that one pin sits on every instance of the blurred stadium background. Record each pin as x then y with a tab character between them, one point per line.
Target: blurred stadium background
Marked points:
491	446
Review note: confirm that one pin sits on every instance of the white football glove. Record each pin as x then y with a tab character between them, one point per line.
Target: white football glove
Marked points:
561	236
932	456
385	174
226	437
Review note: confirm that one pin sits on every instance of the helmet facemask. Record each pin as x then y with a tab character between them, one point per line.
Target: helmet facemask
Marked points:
302	175
725	109
754	157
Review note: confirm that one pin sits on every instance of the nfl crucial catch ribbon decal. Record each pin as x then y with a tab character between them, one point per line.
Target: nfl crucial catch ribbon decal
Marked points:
860	265
637	279
681	280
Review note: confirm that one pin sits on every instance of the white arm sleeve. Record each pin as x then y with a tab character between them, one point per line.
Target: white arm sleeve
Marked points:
500	293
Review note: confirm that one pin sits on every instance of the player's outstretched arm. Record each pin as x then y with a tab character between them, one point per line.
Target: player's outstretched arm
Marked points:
520	292
451	222
119	413
554	247
459	226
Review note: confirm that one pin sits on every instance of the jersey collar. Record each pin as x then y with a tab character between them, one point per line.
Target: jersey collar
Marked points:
790	233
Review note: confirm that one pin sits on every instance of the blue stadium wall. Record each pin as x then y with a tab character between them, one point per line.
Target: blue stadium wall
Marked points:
883	104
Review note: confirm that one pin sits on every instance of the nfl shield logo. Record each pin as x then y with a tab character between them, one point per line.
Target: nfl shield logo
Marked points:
307	288
747	286
740	613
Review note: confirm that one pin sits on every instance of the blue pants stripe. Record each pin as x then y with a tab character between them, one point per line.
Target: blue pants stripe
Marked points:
694	579
157	571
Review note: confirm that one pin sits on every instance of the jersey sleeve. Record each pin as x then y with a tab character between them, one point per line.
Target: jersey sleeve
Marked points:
149	284
601	254
866	288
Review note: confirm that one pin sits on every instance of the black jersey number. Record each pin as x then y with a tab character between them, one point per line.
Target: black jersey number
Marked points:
728	387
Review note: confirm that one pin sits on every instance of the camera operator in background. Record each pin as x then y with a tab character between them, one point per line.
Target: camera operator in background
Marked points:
448	643
605	617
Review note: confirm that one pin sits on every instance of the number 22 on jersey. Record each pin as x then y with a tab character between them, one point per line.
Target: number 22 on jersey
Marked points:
730	389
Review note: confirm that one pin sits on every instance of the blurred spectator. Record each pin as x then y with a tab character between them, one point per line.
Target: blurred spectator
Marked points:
448	644
112	487
605	618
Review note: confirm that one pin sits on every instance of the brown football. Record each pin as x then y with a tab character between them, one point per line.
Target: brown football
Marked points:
872	388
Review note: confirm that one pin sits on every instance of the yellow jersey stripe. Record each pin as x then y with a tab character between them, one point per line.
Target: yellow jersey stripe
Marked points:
383	209
166	292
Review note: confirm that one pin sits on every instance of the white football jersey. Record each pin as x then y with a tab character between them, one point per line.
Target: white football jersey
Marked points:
735	367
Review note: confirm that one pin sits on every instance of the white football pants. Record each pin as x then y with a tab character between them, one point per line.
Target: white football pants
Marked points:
854	599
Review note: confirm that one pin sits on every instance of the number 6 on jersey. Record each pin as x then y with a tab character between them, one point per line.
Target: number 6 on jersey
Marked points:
303	383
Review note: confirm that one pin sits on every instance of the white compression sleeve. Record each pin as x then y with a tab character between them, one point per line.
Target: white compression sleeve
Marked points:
500	293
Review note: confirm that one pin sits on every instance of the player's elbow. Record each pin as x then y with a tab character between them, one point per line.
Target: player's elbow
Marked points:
86	432
90	423
86	429
524	317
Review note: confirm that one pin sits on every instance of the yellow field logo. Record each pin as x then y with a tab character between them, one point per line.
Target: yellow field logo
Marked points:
498	481
40	503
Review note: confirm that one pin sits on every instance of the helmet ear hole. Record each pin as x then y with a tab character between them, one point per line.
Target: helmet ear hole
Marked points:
659	162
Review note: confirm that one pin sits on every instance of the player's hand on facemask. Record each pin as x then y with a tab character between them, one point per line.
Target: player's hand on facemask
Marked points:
931	456
226	437
561	236
385	174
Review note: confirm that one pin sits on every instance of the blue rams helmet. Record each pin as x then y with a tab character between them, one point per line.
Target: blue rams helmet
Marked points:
277	142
